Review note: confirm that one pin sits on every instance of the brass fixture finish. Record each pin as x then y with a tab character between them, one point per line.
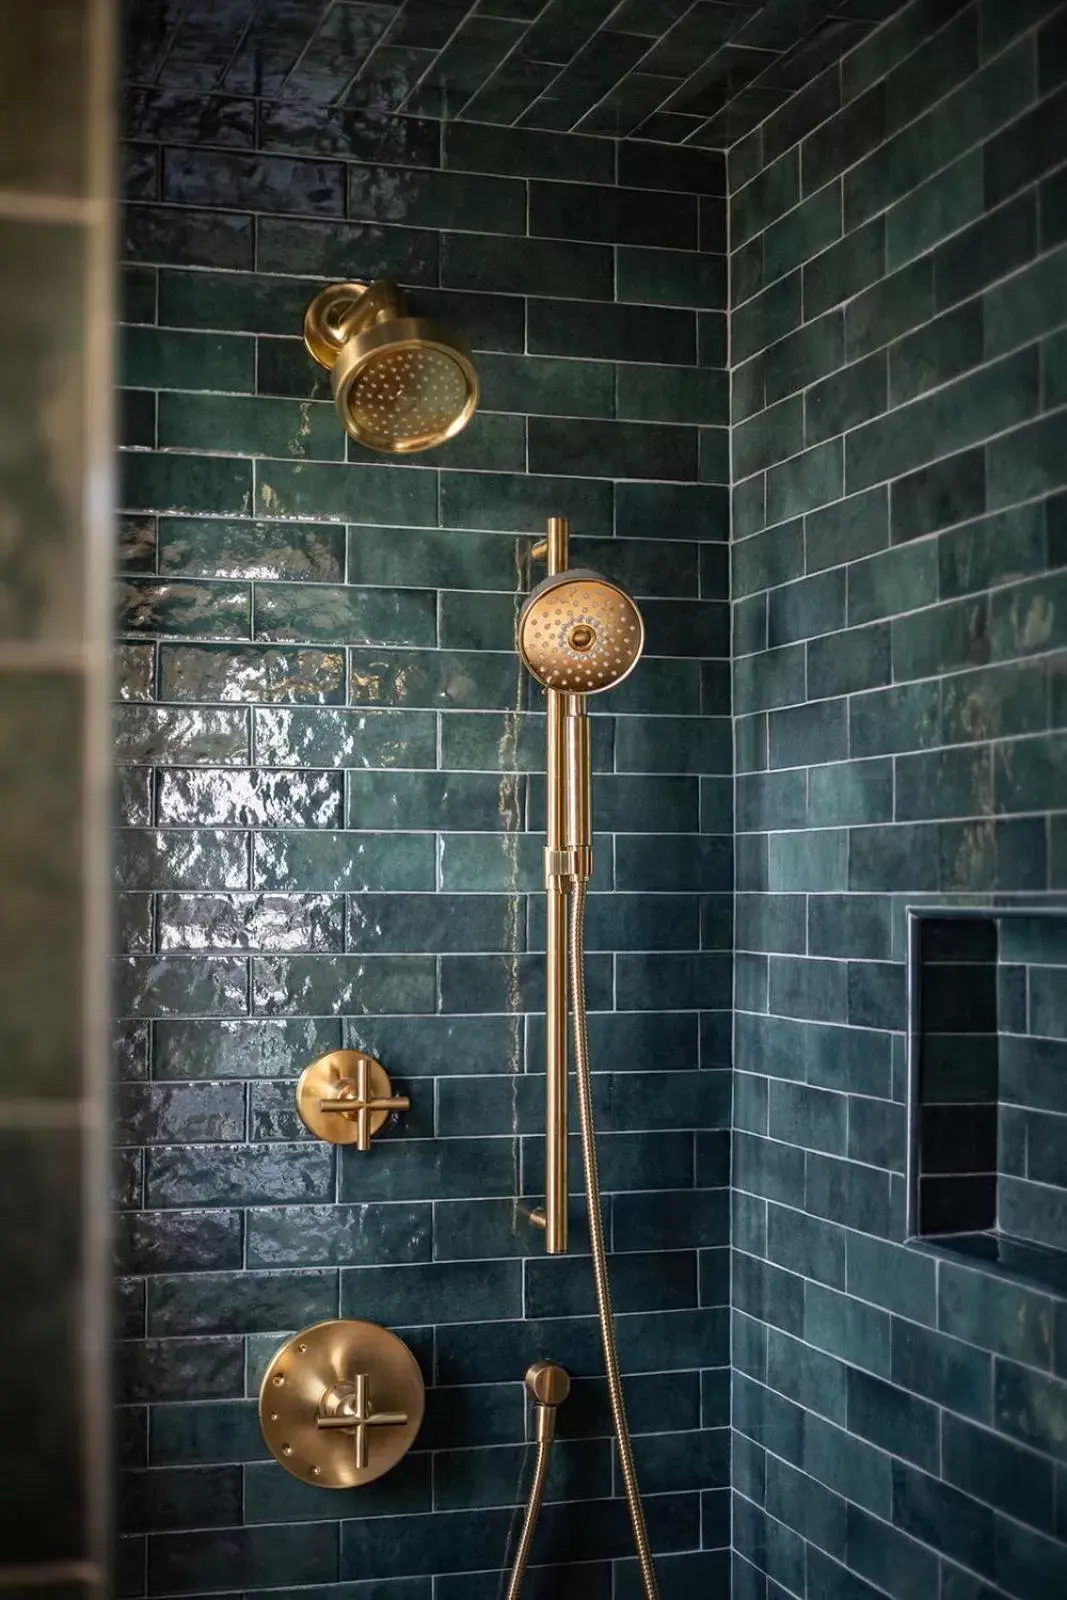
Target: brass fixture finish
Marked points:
548	1387
578	635
598	1249
345	1097
341	1403
400	384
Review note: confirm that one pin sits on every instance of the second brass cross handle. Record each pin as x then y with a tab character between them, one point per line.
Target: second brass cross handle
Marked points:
345	1097
355	1413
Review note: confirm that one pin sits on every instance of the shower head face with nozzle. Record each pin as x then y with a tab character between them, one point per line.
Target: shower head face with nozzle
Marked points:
579	633
401	384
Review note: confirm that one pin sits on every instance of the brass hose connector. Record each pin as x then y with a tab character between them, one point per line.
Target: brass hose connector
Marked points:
548	1386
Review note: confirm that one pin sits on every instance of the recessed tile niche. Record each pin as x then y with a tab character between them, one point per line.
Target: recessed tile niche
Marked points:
988	1085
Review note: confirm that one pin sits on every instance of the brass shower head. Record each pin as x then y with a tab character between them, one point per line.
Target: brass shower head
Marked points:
400	383
580	633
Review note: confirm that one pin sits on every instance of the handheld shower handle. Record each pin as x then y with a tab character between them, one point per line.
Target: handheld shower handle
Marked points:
578	809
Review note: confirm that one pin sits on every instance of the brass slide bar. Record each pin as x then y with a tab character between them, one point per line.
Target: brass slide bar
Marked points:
556	886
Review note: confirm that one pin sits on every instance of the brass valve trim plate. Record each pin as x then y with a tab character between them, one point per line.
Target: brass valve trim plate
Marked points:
340	1076
314	1380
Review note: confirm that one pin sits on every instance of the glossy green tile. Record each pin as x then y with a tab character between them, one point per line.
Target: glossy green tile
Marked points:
849	529
768	559
1026	463
327	249
253	426
759	202
611	332
207	548
898	857
773	678
546	386
951	783
613	215
805	608
993	855
334	738
185	483
749	506
228	922
523	152
611	448
892	582
525	266
750	624
804	988
951	490
669	394
340	985
325	859
183	237
670	278
855	659
180	859
148	986
146	606
253	673
388	495
944	348
801	358
356	616
253	183
803	232
1023	618
769	436
428	199
520	503
989	249
802	733
992	551
767	317
849	925
934	641
1025	305
850	793
166	358
935	209
806	482
1027	773
954	125
816	861
891	307
961	414
767	800
845	269
847	398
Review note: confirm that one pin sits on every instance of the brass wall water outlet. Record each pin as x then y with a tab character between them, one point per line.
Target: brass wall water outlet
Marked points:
340	1404
345	1097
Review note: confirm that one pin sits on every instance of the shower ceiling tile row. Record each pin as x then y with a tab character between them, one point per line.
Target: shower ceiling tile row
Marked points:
701	73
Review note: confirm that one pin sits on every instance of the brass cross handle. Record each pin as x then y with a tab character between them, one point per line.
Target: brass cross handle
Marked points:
356	1415
345	1098
315	1406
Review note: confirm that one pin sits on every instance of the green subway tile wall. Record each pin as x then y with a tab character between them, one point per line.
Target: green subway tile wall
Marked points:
330	806
900	483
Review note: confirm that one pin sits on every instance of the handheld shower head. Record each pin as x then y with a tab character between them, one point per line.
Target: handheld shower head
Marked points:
400	383
579	633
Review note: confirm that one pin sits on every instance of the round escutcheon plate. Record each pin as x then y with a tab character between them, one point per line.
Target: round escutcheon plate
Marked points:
322	1080
312	1376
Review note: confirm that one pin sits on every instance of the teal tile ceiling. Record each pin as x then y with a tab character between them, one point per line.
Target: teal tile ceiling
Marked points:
700	73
